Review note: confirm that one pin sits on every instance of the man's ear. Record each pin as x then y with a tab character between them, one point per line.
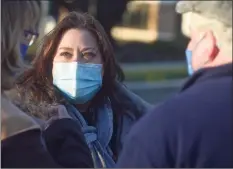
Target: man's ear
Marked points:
210	45
196	37
207	47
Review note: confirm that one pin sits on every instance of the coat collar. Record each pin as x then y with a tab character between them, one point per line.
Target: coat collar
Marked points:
207	74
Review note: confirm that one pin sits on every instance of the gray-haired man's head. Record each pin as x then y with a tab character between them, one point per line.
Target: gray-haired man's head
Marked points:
209	23
219	10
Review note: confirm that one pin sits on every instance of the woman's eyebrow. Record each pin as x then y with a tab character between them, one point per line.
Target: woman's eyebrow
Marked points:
66	48
87	48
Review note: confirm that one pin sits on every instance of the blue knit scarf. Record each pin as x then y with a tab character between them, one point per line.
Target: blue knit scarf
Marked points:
98	137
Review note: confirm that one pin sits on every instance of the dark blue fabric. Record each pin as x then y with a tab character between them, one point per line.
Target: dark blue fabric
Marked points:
192	129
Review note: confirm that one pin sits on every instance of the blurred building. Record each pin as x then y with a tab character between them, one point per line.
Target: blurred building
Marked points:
147	21
143	21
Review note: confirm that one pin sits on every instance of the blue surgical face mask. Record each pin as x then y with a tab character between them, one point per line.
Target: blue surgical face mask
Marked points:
23	50
188	54
78	82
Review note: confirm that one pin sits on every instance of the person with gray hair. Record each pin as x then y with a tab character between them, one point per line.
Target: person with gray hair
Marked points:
194	128
22	144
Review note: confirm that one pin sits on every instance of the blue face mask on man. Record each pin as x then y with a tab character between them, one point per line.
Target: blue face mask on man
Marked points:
23	50
188	54
78	82
28	39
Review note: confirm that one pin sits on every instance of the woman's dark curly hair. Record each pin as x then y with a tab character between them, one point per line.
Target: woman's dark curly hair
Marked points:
37	82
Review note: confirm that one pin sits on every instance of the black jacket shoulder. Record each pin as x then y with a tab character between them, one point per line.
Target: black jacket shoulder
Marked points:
66	143
62	146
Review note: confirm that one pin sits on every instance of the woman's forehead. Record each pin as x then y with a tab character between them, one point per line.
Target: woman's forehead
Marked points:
78	38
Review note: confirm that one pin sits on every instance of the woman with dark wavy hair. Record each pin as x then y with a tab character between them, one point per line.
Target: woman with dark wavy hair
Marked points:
77	68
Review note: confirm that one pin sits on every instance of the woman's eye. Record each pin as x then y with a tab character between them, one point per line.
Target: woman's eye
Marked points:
88	55
66	54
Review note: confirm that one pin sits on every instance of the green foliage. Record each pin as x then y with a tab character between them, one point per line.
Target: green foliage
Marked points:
155	75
